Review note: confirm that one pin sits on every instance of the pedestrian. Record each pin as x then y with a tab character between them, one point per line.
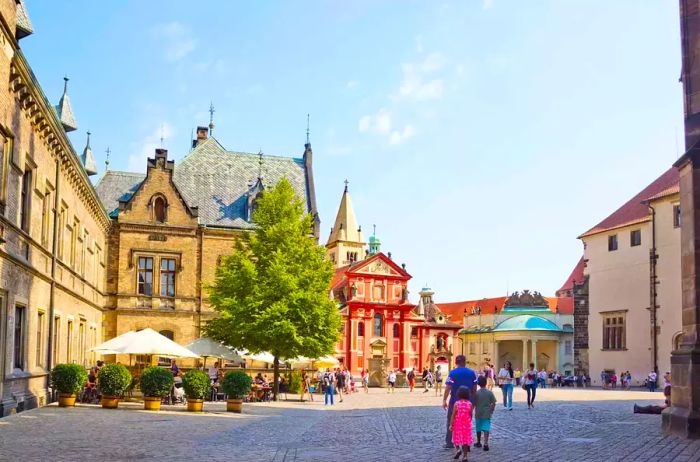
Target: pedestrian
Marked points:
460	423
506	378
458	377
484	405
426	382
518	376
438	380
306	387
392	381
365	380
530	385
411	379
651	381
340	383
583	379
329	382
604	380
542	378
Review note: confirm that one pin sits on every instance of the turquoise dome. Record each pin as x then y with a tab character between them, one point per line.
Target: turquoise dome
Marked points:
527	322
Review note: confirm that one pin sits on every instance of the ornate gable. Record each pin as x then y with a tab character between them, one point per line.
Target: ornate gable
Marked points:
380	265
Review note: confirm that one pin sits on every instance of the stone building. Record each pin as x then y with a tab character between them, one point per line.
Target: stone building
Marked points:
52	231
573	297
524	328
172	224
633	275
382	330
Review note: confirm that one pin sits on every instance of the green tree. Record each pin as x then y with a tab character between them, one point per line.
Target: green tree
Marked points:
272	293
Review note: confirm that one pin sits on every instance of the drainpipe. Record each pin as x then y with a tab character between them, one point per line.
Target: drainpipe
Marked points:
52	297
653	282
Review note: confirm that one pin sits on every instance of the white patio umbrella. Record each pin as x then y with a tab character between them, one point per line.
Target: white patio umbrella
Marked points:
150	342
208	348
110	346
263	357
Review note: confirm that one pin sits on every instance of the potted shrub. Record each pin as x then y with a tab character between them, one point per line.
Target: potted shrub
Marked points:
236	385
68	380
113	380
196	385
156	383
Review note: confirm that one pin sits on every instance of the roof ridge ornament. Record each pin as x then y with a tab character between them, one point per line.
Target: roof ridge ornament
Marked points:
87	159
211	118
64	109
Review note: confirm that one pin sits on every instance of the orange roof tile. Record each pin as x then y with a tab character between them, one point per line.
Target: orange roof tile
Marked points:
635	210
488	306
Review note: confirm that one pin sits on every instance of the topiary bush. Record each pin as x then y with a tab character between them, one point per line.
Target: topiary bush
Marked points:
156	382
196	384
68	378
295	380
113	380
236	384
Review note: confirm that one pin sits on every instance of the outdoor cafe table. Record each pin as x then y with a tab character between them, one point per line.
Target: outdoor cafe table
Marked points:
261	391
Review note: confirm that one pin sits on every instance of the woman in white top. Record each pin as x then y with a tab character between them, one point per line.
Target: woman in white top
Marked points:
506	379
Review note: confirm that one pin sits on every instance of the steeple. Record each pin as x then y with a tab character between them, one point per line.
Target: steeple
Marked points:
346	244
211	118
374	242
87	159
64	110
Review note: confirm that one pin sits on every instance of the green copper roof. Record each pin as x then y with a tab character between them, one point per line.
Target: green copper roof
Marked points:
526	322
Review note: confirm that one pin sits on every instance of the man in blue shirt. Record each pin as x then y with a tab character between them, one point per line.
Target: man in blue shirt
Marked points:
461	376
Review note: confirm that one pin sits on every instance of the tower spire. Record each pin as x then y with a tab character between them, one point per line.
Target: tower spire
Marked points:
87	158
108	151
260	164
211	118
64	110
308	132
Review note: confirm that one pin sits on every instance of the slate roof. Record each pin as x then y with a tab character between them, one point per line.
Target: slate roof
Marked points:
214	180
24	25
115	185
635	210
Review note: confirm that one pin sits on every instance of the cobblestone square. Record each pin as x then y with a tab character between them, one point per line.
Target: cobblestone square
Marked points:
567	424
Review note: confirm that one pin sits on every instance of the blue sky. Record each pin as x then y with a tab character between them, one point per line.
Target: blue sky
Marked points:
481	137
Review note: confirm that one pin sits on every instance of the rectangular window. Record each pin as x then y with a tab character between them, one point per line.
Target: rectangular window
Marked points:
84	244
612	243
485	348
635	237
567	347
677	216
414	332
61	232
472	348
56	342
69	343
614	334
81	343
167	277
7	142
40	319
72	235
18	357
45	219
25	200
145	276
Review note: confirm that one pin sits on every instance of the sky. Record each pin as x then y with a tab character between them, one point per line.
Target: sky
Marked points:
481	137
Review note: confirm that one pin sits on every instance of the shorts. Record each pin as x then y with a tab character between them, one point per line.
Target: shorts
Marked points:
483	425
391	384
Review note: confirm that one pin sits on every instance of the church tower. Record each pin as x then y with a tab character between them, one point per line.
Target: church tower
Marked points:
345	244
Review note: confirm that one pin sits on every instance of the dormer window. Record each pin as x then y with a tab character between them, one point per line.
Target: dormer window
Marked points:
253	196
159	209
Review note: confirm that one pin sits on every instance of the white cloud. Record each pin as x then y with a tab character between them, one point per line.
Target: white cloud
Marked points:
399	136
487	4
177	38
145	148
352	84
379	123
418	84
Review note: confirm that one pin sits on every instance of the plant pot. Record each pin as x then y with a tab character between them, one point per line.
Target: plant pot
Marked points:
195	405
234	405
110	402
151	403
66	400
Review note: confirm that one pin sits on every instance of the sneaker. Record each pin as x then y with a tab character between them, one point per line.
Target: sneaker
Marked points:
477	445
486	447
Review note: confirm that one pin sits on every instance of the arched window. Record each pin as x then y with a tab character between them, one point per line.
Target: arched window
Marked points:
361	329
677	339
378	325
159	209
396	330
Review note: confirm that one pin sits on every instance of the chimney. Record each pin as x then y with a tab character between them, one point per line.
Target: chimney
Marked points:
161	153
202	135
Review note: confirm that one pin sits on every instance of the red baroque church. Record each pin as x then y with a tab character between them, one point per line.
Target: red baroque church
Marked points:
382	330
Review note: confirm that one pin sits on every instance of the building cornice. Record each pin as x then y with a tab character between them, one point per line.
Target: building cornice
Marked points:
45	123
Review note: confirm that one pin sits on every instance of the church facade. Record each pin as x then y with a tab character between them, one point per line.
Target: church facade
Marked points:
382	330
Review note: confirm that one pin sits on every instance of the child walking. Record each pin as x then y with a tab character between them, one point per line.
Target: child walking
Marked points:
461	423
484	405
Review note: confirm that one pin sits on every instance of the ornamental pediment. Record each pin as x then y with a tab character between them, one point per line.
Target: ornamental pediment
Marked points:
378	267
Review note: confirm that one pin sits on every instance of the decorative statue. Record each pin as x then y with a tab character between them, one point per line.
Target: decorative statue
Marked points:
353	290
432	348
440	343
404	294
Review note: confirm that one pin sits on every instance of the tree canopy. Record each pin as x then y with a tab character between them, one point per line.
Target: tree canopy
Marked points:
272	292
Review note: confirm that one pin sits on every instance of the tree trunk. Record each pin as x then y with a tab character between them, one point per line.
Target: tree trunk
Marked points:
276	381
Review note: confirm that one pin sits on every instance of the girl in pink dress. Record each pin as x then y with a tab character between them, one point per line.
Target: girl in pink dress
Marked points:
461	423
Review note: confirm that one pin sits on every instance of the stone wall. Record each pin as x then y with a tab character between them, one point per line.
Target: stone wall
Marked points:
580	293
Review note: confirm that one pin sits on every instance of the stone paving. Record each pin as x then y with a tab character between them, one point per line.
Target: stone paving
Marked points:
567	424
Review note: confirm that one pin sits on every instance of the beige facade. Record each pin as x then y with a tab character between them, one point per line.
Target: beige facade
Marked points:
620	284
52	230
